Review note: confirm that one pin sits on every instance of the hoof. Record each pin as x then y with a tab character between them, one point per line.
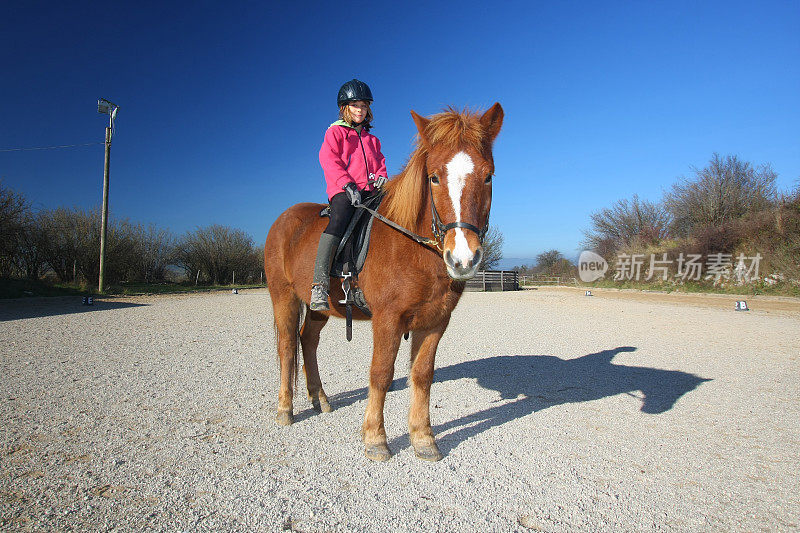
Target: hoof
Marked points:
377	452
429	452
321	406
284	418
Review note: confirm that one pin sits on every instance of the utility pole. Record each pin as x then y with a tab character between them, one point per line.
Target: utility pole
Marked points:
104	223
104	106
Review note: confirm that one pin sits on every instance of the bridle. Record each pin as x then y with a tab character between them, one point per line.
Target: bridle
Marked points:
439	229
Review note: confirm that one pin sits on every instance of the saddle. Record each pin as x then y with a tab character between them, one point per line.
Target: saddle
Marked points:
352	253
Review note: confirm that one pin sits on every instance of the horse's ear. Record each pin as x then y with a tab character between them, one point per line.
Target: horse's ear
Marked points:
421	123
493	119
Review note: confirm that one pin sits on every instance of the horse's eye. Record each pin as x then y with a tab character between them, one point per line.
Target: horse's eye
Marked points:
435	179
488	178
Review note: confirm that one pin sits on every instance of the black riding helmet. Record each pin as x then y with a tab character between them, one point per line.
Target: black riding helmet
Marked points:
353	91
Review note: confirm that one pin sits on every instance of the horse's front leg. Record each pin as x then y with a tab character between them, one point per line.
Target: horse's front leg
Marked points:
423	353
386	341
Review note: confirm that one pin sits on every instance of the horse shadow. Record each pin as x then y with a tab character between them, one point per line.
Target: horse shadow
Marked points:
535	382
20	309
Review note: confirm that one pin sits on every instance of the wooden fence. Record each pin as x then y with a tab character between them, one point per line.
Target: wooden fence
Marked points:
494	280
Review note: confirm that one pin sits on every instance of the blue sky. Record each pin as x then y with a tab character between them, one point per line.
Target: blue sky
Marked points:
223	107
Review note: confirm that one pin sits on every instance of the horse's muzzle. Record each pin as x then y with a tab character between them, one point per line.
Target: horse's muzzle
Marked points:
460	269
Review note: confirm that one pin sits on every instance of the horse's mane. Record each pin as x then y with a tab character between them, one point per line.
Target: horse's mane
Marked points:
407	192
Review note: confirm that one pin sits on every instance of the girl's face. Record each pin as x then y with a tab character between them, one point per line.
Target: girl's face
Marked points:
358	110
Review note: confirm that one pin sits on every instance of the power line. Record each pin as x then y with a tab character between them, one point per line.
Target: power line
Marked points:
47	147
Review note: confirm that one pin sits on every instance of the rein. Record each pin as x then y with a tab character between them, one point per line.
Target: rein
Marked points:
439	229
421	240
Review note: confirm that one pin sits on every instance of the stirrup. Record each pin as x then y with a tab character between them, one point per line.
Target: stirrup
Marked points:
319	298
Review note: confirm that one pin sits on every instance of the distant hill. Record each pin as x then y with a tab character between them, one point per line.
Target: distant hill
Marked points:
507	263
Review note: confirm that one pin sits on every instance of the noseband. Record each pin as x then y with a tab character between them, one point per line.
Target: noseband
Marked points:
440	229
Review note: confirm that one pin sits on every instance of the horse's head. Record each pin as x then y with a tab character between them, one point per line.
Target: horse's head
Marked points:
459	168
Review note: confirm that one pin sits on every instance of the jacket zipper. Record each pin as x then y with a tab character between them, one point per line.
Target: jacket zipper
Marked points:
364	153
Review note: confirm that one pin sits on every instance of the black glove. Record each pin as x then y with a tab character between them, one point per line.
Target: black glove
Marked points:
353	193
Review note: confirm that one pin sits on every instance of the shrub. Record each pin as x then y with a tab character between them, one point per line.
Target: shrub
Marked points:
627	223
218	252
724	190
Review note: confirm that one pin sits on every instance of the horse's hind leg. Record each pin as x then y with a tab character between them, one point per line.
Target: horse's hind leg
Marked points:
309	340
287	314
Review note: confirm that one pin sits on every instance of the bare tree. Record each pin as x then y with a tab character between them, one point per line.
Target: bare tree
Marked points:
155	250
13	211
627	223
60	250
553	263
122	249
545	261
70	244
492	248
30	252
217	252
726	189
258	260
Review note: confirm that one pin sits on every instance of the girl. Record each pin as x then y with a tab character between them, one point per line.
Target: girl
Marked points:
353	164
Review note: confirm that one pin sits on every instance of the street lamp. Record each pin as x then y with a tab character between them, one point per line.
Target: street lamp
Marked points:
105	107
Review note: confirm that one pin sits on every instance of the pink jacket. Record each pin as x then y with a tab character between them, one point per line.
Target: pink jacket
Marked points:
347	156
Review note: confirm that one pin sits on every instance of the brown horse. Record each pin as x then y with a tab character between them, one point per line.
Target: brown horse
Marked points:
410	287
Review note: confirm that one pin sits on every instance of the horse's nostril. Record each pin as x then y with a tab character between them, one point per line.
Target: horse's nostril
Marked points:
448	258
478	257
452	260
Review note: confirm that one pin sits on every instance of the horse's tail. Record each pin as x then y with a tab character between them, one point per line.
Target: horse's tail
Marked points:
302	312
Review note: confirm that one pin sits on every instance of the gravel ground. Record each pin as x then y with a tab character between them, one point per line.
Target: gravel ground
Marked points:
554	411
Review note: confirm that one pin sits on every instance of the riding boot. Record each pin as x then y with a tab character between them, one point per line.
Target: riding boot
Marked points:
322	272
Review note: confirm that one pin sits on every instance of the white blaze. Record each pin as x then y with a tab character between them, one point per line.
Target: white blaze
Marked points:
457	171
